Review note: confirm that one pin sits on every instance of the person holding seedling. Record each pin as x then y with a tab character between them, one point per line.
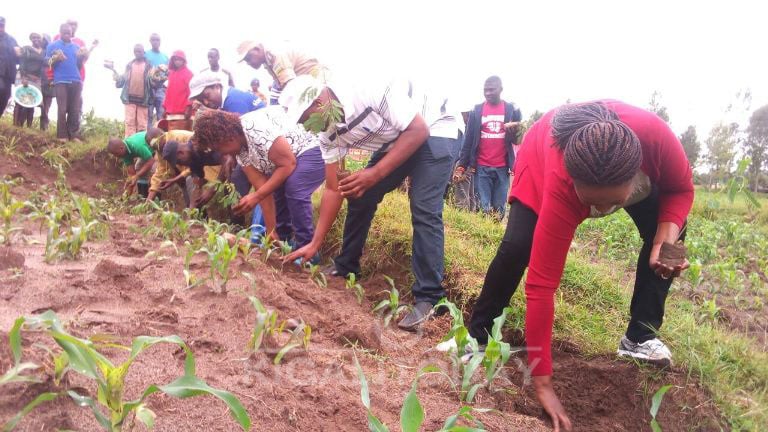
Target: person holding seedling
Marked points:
580	161
381	118
137	155
282	161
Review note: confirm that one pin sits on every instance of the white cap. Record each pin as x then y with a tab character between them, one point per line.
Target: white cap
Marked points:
199	82
299	94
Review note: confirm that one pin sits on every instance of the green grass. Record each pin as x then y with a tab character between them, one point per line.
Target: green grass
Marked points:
592	302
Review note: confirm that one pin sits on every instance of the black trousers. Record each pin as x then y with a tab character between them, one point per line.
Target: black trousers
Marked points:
513	255
68	99
5	95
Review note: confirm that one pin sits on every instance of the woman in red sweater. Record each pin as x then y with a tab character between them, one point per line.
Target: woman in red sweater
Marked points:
579	161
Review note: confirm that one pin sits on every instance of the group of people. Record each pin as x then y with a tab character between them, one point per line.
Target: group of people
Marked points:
578	161
55	67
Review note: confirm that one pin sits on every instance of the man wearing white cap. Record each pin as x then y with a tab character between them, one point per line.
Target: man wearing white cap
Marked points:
283	66
208	89
381	118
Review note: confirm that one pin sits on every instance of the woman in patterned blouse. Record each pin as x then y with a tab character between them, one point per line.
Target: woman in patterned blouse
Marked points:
282	161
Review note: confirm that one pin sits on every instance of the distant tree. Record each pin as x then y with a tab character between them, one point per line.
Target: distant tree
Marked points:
721	151
526	124
757	145
691	145
656	106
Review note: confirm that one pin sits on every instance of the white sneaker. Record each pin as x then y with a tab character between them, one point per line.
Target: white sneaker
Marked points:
652	351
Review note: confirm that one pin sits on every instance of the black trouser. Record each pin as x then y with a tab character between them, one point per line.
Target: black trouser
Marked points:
5	95
23	115
68	99
511	260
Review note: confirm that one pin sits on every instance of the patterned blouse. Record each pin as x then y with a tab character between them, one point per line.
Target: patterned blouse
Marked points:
261	128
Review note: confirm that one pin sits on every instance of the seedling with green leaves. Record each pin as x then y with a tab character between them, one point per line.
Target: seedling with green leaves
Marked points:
457	340
655	405
9	209
353	285
266	326
390	308
109	408
316	275
497	352
221	253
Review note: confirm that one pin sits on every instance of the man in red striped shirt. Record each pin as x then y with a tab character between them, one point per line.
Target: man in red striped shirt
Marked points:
579	161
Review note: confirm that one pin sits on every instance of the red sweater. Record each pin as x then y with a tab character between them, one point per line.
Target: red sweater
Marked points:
542	183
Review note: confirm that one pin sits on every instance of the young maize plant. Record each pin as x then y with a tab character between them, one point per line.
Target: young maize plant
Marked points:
316	276
655	405
353	285
457	340
497	352
9	208
266	326
109	408
390	308
412	412
221	253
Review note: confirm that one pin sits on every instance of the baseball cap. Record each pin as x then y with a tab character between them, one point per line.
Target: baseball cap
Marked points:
244	47
169	151
299	94
202	80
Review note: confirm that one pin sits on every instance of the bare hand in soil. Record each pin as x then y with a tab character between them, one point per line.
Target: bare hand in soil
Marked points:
551	404
668	260
165	184
204	197
246	204
306	253
356	184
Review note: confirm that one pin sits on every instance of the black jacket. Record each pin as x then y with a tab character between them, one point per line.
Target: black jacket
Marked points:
468	158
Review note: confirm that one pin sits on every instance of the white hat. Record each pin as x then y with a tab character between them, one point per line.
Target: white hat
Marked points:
299	94
199	82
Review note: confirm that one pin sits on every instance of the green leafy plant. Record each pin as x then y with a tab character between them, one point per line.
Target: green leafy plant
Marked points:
739	184
656	404
458	339
497	352
390	308
266	326
109	378
298	337
316	275
267	246
353	285
9	209
226	194
221	252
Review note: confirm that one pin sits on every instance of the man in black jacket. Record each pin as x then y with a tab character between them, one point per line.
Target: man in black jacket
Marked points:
8	60
487	152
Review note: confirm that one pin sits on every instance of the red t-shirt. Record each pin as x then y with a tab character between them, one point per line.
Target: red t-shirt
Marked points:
491	151
542	183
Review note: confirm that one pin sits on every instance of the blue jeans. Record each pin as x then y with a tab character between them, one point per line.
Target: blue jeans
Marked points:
156	111
492	185
429	174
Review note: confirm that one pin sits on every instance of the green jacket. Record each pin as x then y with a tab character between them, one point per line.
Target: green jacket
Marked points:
121	81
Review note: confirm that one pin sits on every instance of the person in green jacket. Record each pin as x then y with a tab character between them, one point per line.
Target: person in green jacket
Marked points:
137	90
137	156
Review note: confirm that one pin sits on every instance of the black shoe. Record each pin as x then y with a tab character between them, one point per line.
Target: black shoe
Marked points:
419	314
331	270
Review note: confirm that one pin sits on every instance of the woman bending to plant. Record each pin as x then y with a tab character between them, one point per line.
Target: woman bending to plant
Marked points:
580	161
282	161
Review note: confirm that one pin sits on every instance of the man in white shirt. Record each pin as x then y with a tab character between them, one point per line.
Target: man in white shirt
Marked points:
383	118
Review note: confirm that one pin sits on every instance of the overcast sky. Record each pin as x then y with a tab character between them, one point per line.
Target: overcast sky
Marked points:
697	54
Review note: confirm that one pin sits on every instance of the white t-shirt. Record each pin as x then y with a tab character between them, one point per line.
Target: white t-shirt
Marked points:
261	128
391	111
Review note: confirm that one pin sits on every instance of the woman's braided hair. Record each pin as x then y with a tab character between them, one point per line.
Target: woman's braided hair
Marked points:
213	127
597	147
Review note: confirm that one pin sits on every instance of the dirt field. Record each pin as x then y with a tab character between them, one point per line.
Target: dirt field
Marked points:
114	289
